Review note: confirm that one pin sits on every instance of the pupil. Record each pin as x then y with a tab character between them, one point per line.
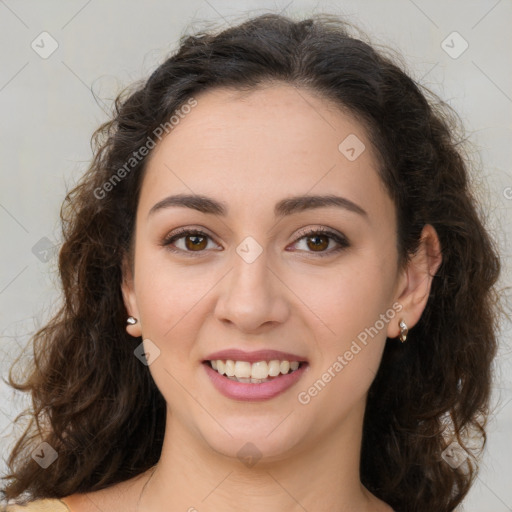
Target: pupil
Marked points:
319	241
195	242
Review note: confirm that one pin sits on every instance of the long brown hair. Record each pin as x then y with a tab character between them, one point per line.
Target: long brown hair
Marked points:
99	408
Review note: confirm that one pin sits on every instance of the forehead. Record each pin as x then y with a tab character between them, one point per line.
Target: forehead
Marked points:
262	145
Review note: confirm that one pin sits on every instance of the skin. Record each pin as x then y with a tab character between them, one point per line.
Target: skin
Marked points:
250	151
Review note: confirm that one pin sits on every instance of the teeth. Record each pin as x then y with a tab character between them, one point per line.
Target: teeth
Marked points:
252	381
230	368
255	373
274	368
242	370
259	370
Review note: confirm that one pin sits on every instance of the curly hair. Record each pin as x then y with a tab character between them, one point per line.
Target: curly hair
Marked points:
98	406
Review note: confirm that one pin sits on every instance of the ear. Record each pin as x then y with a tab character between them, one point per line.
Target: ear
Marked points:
130	302
415	280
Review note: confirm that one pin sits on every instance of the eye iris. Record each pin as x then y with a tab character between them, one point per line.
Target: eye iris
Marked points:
195	242
320	242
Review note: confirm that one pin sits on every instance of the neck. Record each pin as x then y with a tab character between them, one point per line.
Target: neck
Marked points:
322	476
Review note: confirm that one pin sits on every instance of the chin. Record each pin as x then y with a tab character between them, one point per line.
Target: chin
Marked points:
268	439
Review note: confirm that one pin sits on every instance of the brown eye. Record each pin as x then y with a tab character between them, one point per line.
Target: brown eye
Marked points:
188	241
318	242
195	242
321	242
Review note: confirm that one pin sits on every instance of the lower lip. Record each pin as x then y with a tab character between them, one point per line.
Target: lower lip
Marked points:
254	392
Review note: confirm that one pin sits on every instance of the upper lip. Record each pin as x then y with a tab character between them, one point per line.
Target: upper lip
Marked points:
253	357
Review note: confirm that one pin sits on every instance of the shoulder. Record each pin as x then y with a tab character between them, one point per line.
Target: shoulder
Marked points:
39	506
120	496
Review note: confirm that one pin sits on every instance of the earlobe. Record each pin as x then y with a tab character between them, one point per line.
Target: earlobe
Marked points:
417	277
133	327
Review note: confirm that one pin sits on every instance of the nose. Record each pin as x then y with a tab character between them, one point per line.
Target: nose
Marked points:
252	298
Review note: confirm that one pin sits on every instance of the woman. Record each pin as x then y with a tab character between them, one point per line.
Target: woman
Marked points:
278	292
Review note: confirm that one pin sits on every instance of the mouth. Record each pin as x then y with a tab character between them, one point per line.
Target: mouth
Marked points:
254	373
254	381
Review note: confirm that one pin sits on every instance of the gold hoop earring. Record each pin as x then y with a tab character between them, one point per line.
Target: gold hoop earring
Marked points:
403	331
131	320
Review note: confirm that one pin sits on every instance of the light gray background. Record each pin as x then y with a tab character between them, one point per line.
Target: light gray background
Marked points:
48	114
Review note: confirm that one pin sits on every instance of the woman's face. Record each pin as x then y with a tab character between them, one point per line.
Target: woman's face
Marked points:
260	276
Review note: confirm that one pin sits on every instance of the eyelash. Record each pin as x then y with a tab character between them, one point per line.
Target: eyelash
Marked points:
342	242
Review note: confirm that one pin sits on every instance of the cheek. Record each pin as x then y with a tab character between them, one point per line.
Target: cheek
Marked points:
347	299
167	293
350	301
172	300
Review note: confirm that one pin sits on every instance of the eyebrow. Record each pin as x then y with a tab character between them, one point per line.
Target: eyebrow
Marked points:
284	207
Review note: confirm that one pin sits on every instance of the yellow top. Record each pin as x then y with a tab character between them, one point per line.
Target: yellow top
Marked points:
40	506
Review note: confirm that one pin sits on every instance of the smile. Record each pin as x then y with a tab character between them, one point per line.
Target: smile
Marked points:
254	373
261	380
